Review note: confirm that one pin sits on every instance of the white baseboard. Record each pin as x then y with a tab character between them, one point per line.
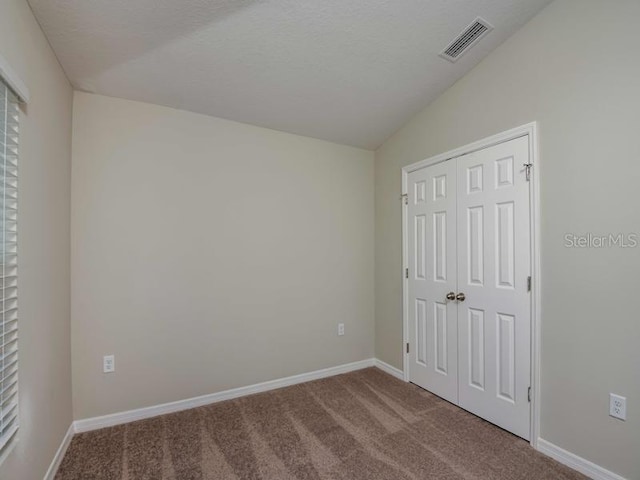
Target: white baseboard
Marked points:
590	469
391	370
95	423
62	449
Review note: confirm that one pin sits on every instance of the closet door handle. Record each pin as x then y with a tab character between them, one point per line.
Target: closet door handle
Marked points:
460	297
451	296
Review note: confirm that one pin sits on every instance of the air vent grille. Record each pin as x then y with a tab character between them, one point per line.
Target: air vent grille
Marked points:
469	37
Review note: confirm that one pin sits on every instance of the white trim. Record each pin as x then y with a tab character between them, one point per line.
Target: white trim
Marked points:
110	420
590	469
531	131
521	131
14	82
536	284
405	280
62	449
390	369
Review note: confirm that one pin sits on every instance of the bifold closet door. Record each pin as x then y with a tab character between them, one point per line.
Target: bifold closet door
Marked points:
494	323
433	338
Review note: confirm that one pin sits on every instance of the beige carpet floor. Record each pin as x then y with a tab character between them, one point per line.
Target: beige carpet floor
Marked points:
364	425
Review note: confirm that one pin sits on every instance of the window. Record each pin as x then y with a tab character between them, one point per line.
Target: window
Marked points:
9	117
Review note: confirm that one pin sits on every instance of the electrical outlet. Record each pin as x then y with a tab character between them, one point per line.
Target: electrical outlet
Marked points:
617	406
108	364
341	329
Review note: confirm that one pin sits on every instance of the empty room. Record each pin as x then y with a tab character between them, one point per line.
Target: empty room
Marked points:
319	240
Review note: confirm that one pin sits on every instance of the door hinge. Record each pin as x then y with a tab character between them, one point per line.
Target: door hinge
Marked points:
529	394
528	283
527	167
407	348
405	197
406	273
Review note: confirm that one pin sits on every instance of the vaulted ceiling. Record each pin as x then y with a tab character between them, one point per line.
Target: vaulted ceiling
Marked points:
348	71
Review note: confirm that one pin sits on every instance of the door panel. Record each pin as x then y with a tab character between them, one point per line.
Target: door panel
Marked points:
493	266
431	215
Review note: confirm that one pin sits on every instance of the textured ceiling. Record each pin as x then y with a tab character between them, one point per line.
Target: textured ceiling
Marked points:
348	71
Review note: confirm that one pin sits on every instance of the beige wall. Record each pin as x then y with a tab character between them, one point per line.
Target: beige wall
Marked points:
572	70
43	223
209	254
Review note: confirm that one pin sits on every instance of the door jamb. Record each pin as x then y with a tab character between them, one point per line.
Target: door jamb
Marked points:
529	130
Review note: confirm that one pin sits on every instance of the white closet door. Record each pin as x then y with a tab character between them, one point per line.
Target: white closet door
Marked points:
494	321
431	215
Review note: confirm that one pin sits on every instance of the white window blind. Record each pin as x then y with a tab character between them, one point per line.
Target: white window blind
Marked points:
9	117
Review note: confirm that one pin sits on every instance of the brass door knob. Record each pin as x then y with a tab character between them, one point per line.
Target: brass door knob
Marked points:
460	297
451	296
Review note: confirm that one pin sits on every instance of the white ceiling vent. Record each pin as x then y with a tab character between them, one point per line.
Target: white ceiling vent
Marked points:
468	38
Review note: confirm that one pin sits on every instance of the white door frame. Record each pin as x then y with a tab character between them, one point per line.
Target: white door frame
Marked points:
530	130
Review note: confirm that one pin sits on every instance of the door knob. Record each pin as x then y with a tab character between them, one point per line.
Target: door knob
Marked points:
451	296
460	297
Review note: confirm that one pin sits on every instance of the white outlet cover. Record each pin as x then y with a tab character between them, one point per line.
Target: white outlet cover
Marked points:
341	329
617	406
108	364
